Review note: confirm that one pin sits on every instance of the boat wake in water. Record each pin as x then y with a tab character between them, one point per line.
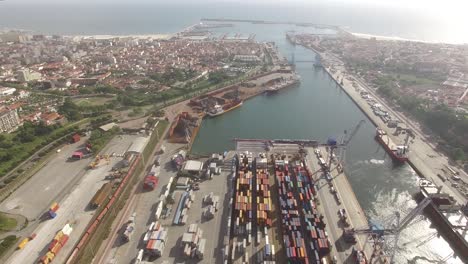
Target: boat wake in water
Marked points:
376	161
418	242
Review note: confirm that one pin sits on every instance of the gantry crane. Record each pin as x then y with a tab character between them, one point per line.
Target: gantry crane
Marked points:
380	235
344	141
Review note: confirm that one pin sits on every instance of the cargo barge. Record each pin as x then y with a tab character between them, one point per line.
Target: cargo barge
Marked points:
447	216
219	110
282	85
399	153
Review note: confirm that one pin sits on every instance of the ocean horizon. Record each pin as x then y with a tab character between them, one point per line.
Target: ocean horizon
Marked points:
157	18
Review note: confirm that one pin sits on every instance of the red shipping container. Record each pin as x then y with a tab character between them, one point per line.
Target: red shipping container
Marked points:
64	240
52	244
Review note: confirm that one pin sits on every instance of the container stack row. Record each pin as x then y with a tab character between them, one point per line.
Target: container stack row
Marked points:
315	235
293	240
56	245
185	202
193	245
263	198
155	239
243	212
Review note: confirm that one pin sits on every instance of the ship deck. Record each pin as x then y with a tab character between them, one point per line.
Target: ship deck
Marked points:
388	140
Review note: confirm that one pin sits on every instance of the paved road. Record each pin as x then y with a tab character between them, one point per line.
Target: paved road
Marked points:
35	196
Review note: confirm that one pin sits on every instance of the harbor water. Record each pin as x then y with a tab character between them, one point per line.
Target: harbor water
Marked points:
319	109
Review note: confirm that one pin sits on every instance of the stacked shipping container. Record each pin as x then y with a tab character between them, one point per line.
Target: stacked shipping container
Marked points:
263	198
59	241
293	239
316	238
243	201
156	240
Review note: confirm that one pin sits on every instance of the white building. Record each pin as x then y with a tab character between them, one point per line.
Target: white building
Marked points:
5	91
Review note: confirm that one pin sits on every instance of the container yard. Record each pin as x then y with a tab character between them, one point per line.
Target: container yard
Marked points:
270	201
315	205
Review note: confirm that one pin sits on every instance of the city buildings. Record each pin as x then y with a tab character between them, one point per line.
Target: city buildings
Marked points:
9	120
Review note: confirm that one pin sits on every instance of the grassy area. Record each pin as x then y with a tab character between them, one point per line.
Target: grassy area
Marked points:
22	149
409	80
88	252
92	101
7	223
7	243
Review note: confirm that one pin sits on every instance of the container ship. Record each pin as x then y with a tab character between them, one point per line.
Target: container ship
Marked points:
284	84
219	110
398	153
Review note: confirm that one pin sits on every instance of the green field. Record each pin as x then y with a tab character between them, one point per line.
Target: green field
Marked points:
7	223
92	101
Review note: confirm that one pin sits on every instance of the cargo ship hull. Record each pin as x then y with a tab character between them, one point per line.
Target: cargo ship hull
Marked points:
274	90
390	147
226	109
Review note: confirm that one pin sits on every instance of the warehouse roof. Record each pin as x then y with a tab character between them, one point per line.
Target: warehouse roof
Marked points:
107	127
138	145
193	165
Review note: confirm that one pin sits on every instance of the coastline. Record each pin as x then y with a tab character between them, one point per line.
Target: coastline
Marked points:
104	37
381	37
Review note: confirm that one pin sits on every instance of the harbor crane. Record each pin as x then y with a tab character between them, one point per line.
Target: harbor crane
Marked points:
381	237
344	141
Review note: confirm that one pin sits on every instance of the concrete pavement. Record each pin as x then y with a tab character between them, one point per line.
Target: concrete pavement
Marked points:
73	209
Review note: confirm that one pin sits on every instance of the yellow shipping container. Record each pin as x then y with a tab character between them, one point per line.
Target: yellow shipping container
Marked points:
59	235
50	255
23	243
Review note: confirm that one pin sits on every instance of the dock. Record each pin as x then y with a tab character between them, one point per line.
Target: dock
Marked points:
418	155
329	205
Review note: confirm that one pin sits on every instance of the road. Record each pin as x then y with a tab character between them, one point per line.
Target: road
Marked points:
34	197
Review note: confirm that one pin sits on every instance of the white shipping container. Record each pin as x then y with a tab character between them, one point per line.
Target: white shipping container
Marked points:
147	236
140	255
152	226
159	209
67	229
201	248
184	219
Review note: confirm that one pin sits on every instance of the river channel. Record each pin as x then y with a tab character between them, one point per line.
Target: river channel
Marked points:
318	109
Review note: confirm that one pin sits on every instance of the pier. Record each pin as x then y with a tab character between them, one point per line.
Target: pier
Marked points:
254	21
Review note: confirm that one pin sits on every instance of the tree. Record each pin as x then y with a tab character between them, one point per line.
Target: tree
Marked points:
70	110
